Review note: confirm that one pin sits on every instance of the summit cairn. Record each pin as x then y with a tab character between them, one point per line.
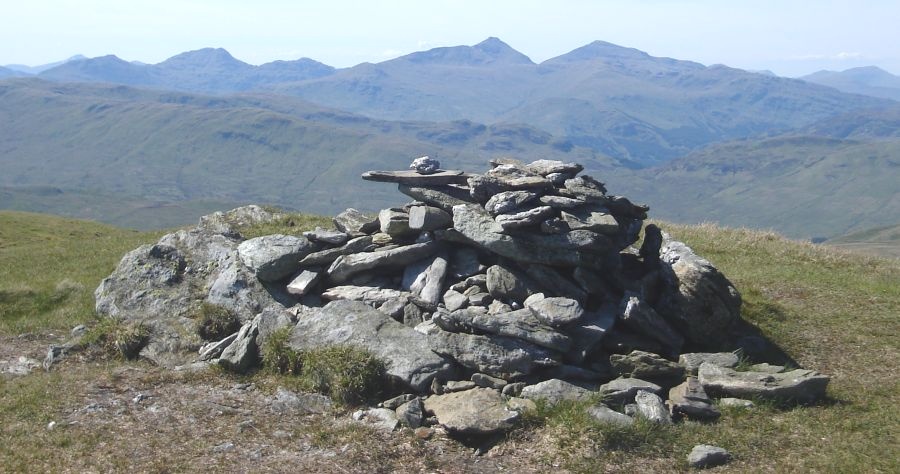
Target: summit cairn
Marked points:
522	281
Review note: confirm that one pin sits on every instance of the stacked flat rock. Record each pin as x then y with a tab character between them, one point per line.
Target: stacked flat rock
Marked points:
518	281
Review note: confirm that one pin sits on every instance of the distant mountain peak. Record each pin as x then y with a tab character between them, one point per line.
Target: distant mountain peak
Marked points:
488	52
601	50
204	56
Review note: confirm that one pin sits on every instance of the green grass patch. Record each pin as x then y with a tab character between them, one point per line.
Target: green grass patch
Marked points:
215	322
50	266
287	224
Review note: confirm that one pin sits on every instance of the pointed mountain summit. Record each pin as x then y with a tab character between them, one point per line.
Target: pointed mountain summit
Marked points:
600	50
206	58
491	51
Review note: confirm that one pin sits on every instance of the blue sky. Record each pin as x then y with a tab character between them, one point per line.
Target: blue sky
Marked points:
791	38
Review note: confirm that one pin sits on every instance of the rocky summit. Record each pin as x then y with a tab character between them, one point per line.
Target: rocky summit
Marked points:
483	293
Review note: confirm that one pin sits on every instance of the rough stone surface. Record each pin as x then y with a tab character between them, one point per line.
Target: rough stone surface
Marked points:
556	311
641	317
604	414
804	386
273	257
443	197
426	279
621	391
704	455
371	295
555	391
425	165
407	353
413	178
355	222
651	407
508	201
498	356
480	411
324	257
305	281
394	222
646	366
286	402
527	218
327	236
424	218
690	400
485	380
731	402
520	324
411	413
506	284
243	353
346	266
692	360
702	301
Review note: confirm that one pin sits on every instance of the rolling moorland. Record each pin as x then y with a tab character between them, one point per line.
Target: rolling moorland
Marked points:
203	131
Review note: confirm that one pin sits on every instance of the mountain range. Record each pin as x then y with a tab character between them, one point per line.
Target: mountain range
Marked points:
150	145
870	80
618	101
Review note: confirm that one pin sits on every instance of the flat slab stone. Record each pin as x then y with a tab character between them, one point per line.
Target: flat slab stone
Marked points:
369	294
526	218
355	222
407	353
498	356
479	411
325	257
443	197
588	333
692	360
327	236
605	414
555	391
520	324
704	455
622	391
303	282
556	311
346	266
646	366
690	400
415	179
804	386
508	201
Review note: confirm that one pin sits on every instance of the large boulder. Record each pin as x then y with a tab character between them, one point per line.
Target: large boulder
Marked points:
697	298
407	354
804	386
163	284
277	256
479	411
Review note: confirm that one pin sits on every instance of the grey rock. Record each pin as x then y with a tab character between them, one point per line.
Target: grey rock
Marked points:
381	419
482	188
622	391
413	315
425	165
588	333
485	380
230	222
20	366
394	222
516	177
371	295
406	352
697	296
519	324
273	257
690	400
424	218
590	281
554	282
767	368
498	356
560	202
464	263
547	167
651	245
558	179
480	411
556	311
346	266
692	360
555	225
586	189
287	402
425	279
526	218
243	353
354	222
647	366
651	407
579	247
804	386
458	386
623	341
520	404
555	391
394	307
411	413
498	307
213	350
454	300
506	284
413	178
596	218
731	402
508	201
395	402
574	372
443	197
271	319
480	299
513	389
154	285
305	281
324	257
704	455
327	236
640	316
606	415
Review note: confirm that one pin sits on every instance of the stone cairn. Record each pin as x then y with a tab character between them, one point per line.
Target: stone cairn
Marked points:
491	290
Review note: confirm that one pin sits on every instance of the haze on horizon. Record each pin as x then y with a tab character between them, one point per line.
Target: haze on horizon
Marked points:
789	38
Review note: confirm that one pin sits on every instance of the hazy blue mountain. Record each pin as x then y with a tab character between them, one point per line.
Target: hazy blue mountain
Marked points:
43	67
106	69
6	72
868	80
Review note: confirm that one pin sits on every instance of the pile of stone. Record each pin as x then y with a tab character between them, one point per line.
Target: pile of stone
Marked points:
485	291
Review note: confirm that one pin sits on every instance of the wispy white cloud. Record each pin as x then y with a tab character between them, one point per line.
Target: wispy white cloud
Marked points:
841	56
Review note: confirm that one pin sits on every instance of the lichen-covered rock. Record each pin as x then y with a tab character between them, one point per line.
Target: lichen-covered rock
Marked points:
479	411
273	257
554	391
805	386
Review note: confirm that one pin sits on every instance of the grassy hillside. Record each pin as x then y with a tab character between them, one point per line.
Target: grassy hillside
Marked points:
802	186
884	241
166	147
832	311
